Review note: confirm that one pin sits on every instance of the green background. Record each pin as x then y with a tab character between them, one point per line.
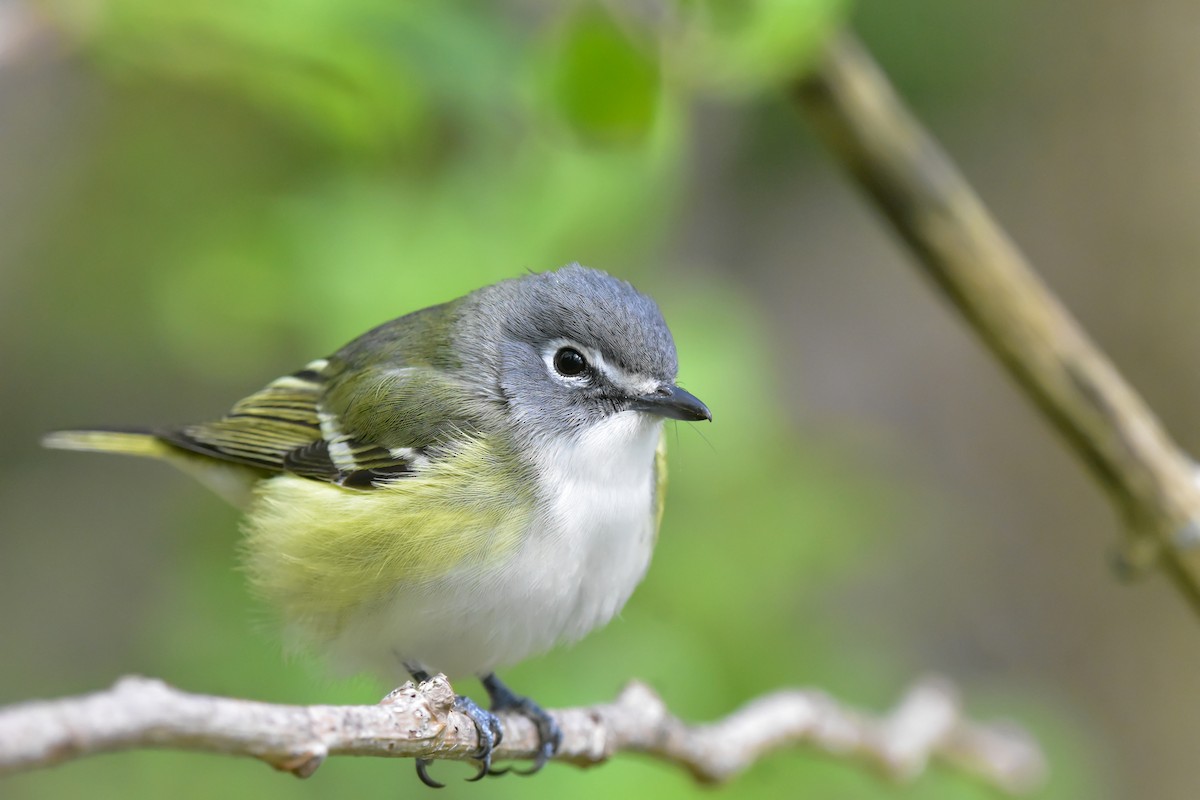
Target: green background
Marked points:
199	196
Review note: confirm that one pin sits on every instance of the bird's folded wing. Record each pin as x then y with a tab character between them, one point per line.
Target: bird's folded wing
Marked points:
286	428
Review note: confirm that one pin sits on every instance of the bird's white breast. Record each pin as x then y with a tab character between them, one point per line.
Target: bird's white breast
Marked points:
587	548
600	521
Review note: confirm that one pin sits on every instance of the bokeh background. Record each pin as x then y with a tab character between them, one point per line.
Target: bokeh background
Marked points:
198	196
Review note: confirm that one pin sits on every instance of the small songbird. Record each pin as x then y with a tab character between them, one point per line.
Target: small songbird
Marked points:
457	489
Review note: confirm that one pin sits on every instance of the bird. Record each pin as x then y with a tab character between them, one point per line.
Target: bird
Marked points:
455	490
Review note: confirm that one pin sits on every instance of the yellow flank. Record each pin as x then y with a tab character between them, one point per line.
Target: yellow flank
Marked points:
127	443
660	481
318	551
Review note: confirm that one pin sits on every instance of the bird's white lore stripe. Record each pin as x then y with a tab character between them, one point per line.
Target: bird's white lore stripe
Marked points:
629	381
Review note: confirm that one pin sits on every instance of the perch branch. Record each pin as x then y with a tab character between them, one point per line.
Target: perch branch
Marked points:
420	721
961	247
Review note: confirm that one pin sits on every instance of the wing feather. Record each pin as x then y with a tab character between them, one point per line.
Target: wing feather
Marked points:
283	428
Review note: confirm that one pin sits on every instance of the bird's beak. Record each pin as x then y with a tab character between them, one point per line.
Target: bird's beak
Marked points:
673	402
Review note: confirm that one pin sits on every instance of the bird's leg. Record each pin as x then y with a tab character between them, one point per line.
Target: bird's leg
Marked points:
486	724
549	734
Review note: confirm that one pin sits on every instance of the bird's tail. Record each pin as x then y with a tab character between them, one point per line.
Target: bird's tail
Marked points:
233	482
132	442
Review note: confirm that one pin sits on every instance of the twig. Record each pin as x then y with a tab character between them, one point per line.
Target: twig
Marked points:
968	255
419	721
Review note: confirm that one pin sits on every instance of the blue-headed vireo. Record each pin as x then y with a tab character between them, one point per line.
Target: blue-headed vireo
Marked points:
457	489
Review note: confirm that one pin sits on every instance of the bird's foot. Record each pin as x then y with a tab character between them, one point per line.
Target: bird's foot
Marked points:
490	734
549	734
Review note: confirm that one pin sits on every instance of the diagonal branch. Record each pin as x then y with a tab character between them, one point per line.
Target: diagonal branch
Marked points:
420	721
972	260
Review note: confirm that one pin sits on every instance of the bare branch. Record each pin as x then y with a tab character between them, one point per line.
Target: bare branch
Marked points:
420	721
962	248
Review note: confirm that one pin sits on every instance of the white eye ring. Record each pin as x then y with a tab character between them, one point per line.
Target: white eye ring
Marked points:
573	370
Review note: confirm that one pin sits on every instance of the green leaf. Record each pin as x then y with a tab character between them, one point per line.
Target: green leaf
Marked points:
606	86
329	70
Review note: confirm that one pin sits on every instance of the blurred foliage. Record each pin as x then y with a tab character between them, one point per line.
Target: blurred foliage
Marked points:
265	180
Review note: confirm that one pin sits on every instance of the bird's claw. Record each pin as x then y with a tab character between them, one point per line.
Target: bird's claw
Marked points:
550	744
487	724
490	733
549	733
422	766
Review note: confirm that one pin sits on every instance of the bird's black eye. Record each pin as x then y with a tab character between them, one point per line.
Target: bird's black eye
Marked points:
569	362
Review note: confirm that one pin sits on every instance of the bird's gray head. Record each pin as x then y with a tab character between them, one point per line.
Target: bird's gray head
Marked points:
575	346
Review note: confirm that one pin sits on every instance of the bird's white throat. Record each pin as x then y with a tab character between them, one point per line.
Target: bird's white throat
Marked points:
606	466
